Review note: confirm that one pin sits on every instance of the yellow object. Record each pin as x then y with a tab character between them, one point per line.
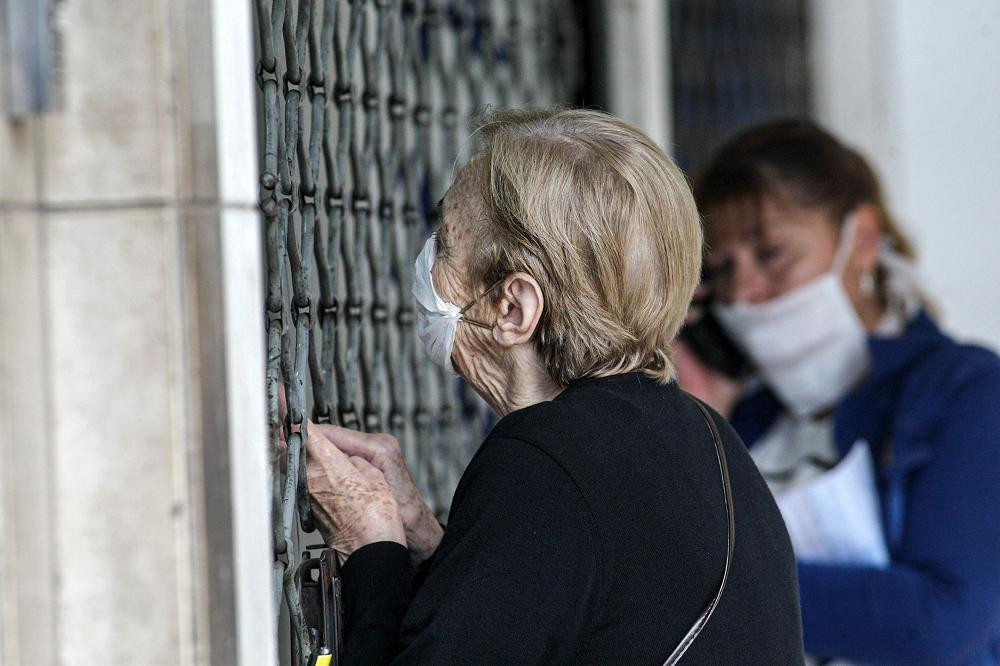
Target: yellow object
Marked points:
323	659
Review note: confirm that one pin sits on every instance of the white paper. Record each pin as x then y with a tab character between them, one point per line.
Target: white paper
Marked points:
835	517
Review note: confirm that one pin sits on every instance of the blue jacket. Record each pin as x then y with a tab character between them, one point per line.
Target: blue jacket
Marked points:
930	409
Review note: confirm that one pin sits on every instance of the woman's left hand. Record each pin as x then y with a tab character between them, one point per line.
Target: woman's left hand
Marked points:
352	503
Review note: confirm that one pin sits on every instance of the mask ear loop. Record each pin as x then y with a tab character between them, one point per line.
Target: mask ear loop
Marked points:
476	300
846	246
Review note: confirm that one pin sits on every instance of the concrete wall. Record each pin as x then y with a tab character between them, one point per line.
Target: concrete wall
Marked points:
915	84
134	500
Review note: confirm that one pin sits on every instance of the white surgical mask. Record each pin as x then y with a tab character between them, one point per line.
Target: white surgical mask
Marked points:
437	319
809	344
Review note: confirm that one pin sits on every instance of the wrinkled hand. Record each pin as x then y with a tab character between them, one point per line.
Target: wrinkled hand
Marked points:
352	503
423	532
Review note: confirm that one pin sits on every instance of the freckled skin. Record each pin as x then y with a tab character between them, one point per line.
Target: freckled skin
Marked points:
506	377
423	532
352	503
476	356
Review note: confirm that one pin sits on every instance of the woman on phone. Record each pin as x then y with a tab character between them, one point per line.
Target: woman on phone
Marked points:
810	277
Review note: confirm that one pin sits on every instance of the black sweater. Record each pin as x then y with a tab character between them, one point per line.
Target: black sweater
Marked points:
590	529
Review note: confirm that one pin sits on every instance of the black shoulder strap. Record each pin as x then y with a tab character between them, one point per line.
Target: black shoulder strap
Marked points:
702	620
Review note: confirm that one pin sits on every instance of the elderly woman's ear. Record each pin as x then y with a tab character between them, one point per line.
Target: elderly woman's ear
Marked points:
519	310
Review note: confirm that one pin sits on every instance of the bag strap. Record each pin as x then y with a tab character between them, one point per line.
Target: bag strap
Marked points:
702	620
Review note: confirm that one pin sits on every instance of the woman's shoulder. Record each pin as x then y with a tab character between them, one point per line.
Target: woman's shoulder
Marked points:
945	391
547	428
961	362
595	414
624	437
951	370
924	350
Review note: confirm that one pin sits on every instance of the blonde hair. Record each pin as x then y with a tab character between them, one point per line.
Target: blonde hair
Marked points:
604	221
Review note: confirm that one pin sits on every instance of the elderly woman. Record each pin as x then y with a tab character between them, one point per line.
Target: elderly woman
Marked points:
608	517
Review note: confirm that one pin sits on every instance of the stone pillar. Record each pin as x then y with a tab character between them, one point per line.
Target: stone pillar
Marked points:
134	497
637	65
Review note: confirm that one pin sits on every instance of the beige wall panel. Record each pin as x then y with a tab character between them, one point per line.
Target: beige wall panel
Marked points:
112	140
27	580
113	307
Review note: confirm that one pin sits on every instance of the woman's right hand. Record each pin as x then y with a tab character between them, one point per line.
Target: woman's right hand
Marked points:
352	502
423	532
714	389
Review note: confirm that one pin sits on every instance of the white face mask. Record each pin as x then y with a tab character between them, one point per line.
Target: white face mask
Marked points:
809	344
437	319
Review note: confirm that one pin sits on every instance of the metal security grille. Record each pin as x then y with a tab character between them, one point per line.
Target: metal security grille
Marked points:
364	106
734	63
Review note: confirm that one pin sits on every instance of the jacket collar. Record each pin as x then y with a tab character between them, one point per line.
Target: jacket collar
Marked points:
892	355
870	411
866	412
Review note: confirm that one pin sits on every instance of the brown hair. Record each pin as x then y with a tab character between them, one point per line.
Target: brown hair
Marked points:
604	221
797	162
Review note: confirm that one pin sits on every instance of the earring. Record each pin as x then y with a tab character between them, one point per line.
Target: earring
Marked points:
867	284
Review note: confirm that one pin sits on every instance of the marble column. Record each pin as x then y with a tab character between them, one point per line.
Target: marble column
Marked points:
134	500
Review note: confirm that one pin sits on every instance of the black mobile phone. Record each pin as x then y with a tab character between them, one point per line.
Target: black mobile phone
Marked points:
711	345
